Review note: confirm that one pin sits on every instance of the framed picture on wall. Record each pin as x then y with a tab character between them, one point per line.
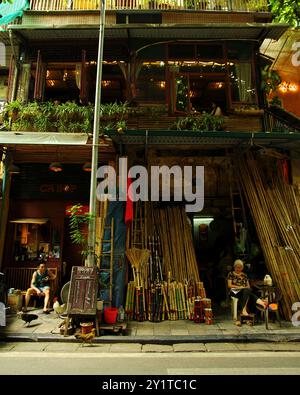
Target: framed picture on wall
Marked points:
43	247
56	251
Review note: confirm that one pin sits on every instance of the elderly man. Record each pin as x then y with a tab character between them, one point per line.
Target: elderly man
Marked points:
40	286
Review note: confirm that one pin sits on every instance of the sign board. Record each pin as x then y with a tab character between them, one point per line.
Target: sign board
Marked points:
82	298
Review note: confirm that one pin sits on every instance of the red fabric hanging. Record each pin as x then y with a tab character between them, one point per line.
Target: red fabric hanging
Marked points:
129	204
286	171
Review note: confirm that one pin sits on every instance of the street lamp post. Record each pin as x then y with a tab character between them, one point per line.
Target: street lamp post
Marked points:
96	126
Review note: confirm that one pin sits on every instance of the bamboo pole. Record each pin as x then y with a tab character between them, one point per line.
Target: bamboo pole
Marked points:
275	209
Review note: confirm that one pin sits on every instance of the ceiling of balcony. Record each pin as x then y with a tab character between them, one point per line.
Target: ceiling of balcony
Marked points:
157	32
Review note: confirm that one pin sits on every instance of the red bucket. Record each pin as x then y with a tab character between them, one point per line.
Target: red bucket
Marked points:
110	315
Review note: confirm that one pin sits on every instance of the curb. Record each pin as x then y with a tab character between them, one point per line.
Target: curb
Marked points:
166	340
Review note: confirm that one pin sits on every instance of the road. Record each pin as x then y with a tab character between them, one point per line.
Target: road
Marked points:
74	360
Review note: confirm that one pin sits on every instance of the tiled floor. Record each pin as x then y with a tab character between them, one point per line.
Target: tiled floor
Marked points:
223	325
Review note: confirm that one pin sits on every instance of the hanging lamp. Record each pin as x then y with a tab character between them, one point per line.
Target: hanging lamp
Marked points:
56	167
87	167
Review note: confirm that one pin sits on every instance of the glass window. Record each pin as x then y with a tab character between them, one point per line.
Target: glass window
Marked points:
151	82
243	89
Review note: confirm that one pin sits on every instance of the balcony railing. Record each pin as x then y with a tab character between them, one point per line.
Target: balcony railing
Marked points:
198	5
276	119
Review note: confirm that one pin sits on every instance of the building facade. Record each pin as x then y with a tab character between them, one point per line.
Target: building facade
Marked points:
168	61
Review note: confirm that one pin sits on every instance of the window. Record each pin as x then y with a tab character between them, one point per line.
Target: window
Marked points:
243	89
151	82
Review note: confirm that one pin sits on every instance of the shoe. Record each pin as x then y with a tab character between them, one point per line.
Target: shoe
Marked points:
46	312
238	323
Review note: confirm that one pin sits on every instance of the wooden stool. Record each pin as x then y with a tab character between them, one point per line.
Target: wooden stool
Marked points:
247	319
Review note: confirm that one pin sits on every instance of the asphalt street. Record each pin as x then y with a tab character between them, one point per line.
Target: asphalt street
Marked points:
209	359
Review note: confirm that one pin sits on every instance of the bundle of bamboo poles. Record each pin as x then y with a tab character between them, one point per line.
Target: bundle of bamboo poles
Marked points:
159	300
177	244
276	213
167	282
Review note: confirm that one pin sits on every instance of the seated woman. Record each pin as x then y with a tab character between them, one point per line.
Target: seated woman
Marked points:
40	286
239	287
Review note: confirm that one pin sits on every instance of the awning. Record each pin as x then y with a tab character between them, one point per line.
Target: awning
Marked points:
37	221
201	139
43	138
221	31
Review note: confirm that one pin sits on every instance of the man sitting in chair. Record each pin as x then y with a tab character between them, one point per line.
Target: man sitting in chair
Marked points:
40	286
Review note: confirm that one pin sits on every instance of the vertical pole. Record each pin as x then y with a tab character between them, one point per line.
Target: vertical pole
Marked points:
6	182
97	114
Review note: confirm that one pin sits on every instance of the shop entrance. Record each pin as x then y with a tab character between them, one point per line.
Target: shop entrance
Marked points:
222	233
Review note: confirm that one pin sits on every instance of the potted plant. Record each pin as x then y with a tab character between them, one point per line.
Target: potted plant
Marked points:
203	122
270	81
78	228
12	109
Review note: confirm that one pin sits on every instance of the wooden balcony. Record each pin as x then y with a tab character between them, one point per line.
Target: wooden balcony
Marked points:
232	123
188	5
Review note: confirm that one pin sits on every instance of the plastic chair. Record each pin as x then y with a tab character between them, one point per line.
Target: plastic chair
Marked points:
273	296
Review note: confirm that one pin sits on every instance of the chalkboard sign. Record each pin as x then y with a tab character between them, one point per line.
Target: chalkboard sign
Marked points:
82	298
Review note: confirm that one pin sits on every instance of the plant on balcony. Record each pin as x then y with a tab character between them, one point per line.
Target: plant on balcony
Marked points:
67	117
270	82
204	122
114	111
11	110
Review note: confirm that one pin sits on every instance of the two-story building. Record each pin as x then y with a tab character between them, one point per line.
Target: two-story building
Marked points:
170	60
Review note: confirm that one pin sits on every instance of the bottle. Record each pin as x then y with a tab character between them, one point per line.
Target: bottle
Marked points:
121	314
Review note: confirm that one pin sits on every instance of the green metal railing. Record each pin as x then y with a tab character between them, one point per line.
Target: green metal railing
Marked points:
198	5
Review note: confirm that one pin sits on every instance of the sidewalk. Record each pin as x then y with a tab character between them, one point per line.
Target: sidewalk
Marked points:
45	329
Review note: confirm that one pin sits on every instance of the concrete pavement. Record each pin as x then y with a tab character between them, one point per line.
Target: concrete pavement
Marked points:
46	328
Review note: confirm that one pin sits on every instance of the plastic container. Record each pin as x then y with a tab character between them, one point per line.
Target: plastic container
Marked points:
121	314
110	315
86	327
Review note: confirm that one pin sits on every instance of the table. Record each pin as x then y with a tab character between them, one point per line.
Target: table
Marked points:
271	295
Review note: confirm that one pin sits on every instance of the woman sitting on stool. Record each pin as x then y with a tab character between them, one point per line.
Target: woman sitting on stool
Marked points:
239	286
